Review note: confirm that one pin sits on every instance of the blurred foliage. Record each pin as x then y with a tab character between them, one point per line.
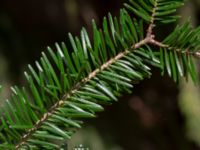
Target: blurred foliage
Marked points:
190	106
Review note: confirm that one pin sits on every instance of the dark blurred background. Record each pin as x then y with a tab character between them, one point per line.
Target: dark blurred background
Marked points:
159	115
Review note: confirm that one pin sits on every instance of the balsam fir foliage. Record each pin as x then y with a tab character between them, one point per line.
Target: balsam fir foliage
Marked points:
65	88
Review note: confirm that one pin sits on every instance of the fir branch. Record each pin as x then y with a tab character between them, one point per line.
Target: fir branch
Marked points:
120	55
149	39
78	85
